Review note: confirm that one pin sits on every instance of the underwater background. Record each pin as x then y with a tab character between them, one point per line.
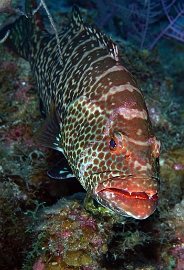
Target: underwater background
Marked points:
43	222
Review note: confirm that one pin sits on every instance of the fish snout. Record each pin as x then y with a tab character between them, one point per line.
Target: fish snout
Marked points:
129	197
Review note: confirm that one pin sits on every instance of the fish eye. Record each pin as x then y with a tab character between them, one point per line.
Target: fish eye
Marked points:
112	144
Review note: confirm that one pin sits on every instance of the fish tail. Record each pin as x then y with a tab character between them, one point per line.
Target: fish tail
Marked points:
23	34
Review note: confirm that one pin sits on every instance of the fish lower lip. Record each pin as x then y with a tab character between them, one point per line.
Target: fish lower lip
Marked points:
139	205
130	196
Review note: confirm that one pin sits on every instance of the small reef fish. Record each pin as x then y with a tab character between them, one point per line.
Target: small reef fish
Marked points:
95	112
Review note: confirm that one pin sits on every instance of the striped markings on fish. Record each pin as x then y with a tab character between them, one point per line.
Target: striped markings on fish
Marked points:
96	113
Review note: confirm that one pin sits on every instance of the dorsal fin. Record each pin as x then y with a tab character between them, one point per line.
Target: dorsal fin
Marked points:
103	40
76	20
93	31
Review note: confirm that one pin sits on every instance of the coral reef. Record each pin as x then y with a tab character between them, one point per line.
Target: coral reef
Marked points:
14	222
71	237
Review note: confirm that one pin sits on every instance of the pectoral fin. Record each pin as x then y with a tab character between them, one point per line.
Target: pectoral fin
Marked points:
49	134
61	170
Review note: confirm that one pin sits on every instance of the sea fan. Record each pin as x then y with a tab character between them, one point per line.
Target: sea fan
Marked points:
139	18
175	27
157	19
148	21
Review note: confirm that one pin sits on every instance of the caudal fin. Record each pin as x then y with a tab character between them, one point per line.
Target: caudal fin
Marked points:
24	32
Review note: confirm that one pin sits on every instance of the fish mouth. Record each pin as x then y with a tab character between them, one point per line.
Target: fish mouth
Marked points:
135	203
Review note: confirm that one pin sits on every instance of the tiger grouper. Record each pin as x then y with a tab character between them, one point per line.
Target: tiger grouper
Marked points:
95	112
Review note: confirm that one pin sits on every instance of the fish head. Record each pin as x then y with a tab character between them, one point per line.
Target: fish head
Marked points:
118	160
130	183
123	173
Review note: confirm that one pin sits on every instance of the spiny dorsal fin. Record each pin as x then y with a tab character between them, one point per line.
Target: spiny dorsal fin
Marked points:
76	20
77	24
49	134
103	40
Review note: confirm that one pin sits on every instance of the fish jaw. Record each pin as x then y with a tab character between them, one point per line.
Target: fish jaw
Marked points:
135	202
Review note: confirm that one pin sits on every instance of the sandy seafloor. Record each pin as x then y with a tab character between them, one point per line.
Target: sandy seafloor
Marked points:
43	223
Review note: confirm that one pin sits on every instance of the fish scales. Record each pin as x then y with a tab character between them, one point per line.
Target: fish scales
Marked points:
96	113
